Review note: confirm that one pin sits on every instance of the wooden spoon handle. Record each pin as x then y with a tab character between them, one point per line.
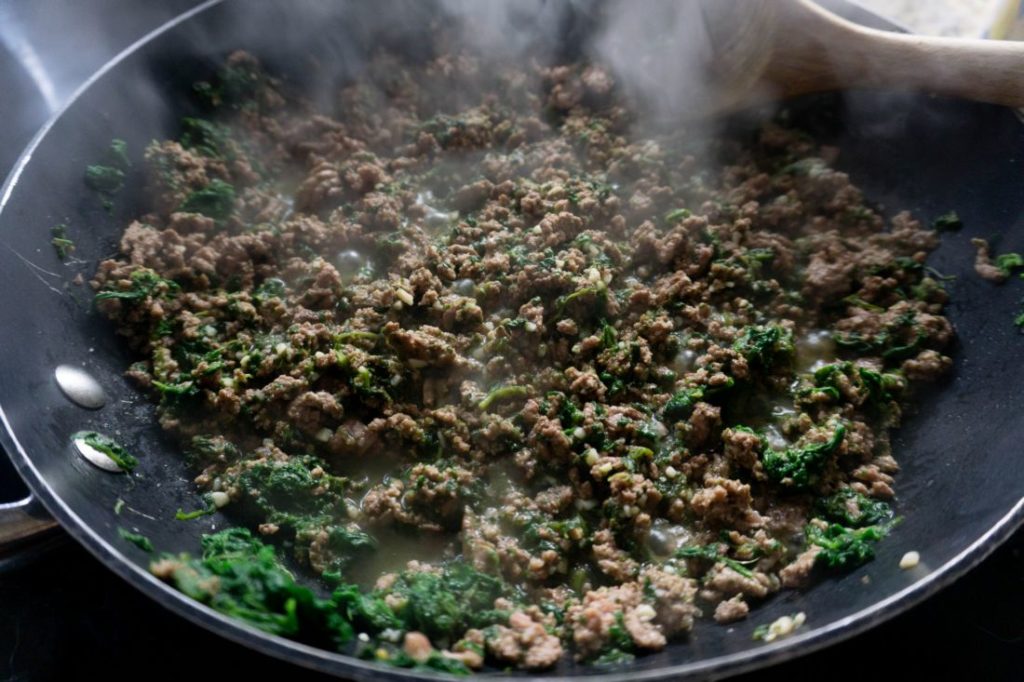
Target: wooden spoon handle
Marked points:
816	50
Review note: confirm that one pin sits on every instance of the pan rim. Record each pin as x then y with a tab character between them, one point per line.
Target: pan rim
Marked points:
340	664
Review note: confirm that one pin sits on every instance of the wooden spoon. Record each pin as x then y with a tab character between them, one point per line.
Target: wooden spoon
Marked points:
783	48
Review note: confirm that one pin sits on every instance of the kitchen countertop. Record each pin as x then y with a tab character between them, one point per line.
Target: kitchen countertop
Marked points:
64	614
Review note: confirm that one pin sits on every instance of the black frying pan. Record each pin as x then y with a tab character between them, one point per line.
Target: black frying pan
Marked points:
960	491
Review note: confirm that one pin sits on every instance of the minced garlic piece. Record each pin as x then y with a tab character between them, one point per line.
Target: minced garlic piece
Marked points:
910	560
781	627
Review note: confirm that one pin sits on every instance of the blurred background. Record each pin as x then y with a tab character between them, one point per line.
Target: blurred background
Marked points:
64	614
965	18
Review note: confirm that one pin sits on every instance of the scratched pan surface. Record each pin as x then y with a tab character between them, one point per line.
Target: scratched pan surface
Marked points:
963	474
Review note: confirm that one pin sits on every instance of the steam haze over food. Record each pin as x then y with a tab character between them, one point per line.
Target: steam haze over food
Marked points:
657	50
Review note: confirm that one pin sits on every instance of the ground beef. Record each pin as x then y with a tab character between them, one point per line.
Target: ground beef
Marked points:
725	501
731	610
983	264
927	366
723	579
471	306
647	617
524	643
612	561
795	574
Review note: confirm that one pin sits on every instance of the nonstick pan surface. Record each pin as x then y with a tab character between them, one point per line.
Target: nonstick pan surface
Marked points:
962	480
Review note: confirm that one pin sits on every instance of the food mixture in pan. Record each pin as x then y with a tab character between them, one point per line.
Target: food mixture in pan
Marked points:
516	382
